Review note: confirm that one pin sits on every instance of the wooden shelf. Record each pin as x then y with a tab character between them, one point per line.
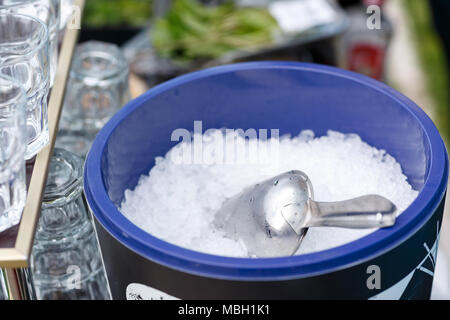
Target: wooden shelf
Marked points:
17	242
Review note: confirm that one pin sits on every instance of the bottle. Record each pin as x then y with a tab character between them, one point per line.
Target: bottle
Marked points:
365	43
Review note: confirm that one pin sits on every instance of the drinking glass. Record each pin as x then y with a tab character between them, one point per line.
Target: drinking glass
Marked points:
48	11
3	289
24	57
76	142
66	261
12	152
65	13
97	87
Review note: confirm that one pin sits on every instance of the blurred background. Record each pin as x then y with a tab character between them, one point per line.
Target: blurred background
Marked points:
403	43
409	50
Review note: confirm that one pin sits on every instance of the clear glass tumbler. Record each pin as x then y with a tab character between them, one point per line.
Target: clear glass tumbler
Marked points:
97	87
24	57
65	13
3	289
66	261
12	152
77	142
48	11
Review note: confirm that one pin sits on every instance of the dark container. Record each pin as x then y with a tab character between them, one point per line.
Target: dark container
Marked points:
116	35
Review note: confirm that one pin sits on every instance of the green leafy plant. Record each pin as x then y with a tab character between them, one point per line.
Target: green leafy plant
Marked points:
192	31
113	13
431	54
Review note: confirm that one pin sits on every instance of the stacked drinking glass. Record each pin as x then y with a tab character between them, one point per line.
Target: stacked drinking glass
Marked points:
28	56
66	262
97	88
12	152
47	11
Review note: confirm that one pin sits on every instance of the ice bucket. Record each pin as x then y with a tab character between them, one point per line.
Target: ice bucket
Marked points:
392	263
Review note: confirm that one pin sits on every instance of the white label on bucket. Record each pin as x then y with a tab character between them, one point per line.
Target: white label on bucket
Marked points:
300	15
137	291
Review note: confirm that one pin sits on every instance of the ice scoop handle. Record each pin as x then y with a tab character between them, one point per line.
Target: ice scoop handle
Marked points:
370	211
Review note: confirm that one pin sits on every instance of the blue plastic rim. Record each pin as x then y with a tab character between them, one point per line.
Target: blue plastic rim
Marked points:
285	95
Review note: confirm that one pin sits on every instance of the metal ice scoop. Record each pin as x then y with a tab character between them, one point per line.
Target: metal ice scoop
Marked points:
272	217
